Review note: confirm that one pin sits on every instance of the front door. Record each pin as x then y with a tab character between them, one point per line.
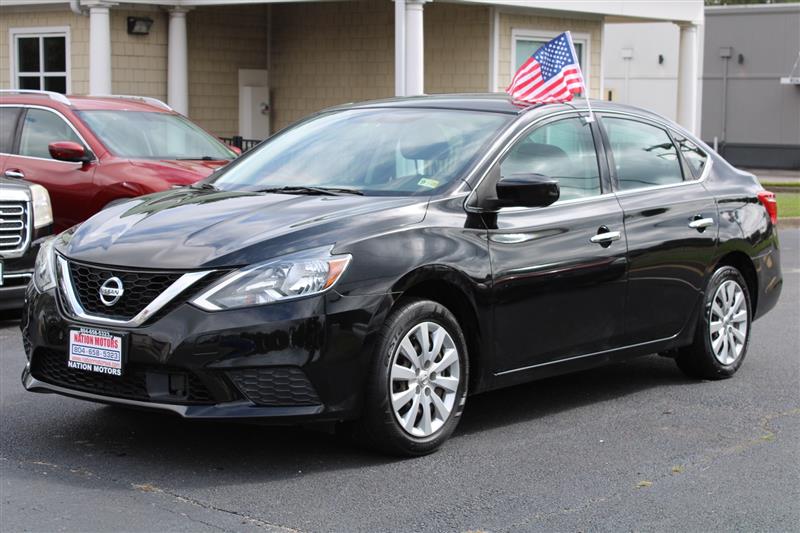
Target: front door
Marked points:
671	224
69	184
559	271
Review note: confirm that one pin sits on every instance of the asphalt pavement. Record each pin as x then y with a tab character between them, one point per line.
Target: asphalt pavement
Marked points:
633	446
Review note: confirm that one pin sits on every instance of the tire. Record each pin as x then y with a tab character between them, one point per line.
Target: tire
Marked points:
392	426
721	341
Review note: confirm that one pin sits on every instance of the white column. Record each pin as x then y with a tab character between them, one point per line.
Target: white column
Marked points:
415	48
687	77
399	47
99	48
178	62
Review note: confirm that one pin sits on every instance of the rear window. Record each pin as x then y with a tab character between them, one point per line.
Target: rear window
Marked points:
695	158
643	154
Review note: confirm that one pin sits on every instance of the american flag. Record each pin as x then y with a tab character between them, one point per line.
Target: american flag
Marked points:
551	74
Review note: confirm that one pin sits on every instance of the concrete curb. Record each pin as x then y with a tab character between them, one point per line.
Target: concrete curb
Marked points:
789	222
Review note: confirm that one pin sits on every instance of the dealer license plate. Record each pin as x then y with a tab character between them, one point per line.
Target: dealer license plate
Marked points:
96	350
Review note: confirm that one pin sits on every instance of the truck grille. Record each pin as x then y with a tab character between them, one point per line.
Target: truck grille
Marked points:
13	226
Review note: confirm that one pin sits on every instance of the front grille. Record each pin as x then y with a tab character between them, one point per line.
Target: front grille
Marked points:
50	366
276	386
13	226
140	288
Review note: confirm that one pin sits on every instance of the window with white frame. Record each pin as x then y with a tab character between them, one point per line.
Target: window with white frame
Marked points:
525	42
40	59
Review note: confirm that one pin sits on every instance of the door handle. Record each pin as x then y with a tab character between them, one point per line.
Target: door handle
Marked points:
18	174
701	223
606	237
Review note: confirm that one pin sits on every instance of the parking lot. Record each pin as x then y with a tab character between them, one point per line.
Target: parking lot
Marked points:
634	446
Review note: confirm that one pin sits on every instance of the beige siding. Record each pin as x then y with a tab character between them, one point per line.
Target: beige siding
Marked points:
513	21
139	62
329	53
456	48
223	40
79	40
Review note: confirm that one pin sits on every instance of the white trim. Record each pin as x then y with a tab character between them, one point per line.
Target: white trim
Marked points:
602	60
494	48
530	34
39	31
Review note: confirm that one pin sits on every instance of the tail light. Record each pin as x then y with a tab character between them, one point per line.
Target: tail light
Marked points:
770	203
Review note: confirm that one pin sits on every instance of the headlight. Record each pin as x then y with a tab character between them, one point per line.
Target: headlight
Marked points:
283	278
42	209
44	277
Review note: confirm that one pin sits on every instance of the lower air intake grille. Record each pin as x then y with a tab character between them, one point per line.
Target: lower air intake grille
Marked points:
277	386
50	366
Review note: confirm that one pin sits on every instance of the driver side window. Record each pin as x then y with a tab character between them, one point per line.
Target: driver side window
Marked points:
563	150
39	129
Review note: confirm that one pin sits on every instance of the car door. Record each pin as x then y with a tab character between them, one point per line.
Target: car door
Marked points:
558	271
670	222
69	184
9	117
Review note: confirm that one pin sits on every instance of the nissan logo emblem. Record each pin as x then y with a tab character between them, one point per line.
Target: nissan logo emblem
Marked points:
111	291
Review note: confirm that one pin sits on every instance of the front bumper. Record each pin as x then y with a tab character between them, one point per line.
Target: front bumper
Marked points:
298	361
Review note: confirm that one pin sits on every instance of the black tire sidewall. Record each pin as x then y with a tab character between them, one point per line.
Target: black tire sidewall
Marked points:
379	414
703	337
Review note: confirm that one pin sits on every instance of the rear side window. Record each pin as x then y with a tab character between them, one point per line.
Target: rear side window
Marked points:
8	123
41	128
644	155
563	150
695	158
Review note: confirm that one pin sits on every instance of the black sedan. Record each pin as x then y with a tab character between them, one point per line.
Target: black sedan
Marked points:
376	264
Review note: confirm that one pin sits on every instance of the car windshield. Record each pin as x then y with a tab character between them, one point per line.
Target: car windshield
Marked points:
380	151
152	135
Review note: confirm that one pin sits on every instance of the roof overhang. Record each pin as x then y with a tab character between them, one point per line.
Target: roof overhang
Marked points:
690	11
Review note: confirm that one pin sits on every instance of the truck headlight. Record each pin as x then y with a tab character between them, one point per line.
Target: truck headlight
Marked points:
44	277
284	278
42	209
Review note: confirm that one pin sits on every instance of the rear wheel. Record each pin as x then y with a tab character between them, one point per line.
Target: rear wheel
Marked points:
723	333
418	383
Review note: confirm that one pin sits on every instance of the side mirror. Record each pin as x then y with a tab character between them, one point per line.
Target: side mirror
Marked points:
69	151
527	190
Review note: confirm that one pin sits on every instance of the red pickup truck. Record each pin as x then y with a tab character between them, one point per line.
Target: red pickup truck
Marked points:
89	151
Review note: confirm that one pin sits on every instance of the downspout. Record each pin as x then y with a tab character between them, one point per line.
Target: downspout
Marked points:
75	7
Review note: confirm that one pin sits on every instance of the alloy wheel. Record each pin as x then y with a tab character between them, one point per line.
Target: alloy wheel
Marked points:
424	379
728	322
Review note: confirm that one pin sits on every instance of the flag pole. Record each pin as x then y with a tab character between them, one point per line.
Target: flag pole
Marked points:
590	117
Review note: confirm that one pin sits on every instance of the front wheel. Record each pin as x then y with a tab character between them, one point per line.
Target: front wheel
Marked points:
723	333
418	383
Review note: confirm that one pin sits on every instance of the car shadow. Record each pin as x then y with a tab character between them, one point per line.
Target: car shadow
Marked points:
160	448
549	397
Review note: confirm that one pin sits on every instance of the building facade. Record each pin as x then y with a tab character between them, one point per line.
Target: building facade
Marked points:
751	98
250	68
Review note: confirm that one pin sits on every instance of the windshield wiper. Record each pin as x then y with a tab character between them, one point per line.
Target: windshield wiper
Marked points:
203	186
301	189
202	158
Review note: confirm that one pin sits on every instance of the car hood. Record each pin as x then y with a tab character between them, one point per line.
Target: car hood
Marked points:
188	229
177	172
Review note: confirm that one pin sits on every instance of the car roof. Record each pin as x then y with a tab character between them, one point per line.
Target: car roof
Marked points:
496	103
81	103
